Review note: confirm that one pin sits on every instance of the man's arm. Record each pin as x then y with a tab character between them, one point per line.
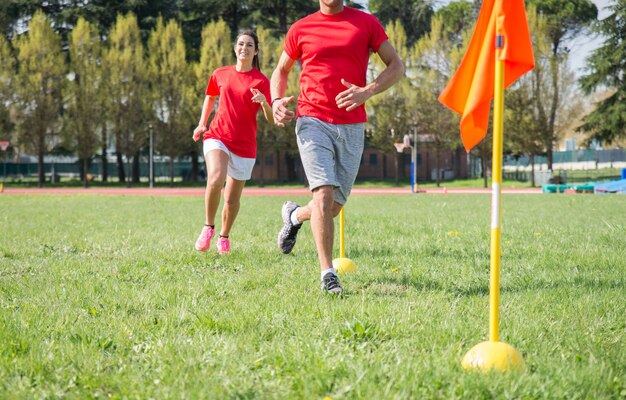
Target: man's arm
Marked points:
278	86
356	95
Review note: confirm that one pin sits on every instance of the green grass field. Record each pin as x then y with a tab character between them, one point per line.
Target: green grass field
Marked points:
104	297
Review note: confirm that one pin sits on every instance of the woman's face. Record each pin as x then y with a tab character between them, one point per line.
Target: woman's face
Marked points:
244	48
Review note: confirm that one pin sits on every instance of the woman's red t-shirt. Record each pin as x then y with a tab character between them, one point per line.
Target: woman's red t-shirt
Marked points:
234	122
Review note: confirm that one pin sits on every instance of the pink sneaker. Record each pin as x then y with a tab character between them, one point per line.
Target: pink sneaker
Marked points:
204	240
223	245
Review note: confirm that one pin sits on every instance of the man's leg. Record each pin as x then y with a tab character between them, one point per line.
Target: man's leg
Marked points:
303	213
322	224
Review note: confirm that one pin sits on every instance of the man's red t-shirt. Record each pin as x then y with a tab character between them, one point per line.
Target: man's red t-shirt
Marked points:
234	122
332	47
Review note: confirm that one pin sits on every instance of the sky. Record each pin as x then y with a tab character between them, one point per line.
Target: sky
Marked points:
583	46
579	48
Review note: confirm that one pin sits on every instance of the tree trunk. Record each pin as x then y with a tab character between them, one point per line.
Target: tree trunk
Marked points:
283	17
438	175
136	166
103	158
550	156
41	173
171	171
128	171
532	170
195	167
121	175
427	165
484	163
85	178
81	169
397	165
555	103
291	168
384	166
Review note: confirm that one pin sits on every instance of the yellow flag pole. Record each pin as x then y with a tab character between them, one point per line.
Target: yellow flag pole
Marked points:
493	354
496	183
343	264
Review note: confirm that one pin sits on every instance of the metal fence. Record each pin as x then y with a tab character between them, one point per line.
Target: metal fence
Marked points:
71	170
588	157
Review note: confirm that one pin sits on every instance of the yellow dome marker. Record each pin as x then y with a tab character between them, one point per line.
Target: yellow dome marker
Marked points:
342	264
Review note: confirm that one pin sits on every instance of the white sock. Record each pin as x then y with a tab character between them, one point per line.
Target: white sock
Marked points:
294	218
330	270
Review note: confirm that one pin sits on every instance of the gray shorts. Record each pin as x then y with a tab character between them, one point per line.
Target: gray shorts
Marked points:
331	154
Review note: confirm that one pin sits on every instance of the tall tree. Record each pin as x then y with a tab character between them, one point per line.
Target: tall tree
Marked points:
40	80
434	60
458	17
282	140
172	91
267	133
64	14
388	117
606	67
414	15
84	93
564	19
9	13
7	82
127	90
277	15
522	133
215	51
551	110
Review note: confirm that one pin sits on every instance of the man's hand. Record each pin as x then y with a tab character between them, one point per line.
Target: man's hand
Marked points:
353	97
200	129
281	114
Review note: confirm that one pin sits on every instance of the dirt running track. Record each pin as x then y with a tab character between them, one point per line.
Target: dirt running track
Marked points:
247	192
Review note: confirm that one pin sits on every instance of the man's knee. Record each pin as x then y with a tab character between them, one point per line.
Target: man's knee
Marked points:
324	198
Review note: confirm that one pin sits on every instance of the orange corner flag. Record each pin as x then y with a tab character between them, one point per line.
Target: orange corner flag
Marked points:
471	89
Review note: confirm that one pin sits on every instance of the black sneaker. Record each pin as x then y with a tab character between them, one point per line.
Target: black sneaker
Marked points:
330	284
287	235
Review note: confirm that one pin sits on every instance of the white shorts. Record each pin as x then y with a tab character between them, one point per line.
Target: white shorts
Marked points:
239	168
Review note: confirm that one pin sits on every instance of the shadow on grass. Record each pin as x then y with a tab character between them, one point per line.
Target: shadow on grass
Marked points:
390	285
394	285
586	283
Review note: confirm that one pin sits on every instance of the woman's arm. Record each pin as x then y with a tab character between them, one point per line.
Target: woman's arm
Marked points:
258	97
207	108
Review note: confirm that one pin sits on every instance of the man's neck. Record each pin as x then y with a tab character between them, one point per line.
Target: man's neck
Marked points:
331	10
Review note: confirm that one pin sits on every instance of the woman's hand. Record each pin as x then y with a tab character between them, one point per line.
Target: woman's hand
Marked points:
200	129
257	96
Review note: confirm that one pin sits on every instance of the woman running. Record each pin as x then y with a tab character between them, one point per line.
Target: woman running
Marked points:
229	144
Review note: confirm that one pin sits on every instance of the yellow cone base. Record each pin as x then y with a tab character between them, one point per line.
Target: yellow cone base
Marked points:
498	356
344	265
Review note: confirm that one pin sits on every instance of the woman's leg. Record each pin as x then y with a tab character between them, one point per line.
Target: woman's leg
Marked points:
217	168
232	201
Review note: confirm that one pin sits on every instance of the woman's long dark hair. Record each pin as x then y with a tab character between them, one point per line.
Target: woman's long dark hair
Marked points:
252	34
